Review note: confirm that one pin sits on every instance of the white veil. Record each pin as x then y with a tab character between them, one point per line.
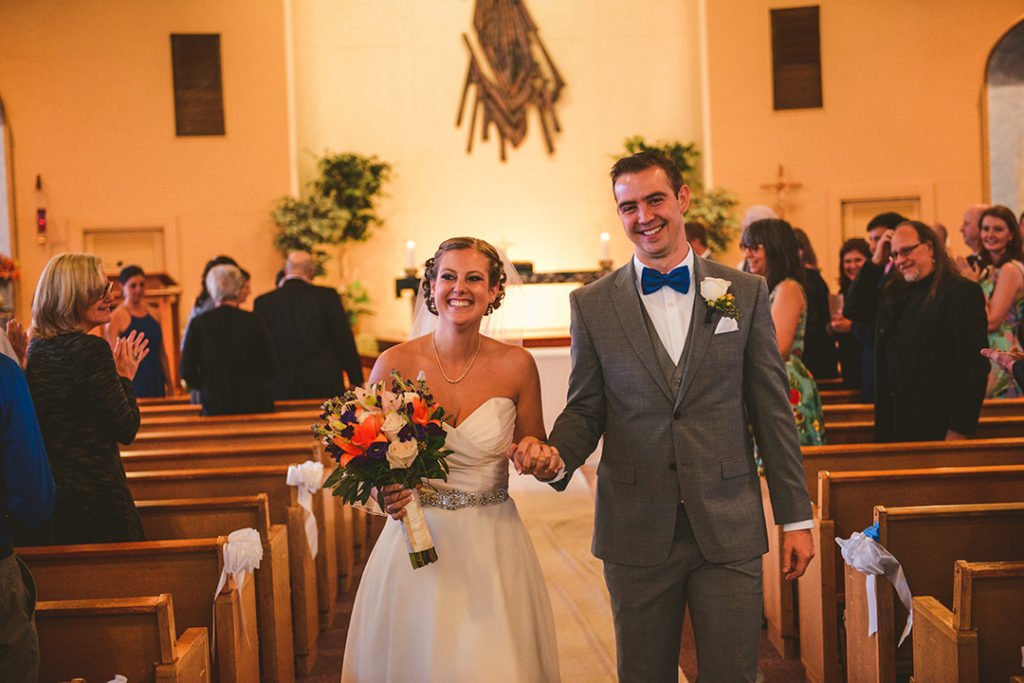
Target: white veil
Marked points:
506	323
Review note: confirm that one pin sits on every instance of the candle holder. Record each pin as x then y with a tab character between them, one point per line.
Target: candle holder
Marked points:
605	264
410	272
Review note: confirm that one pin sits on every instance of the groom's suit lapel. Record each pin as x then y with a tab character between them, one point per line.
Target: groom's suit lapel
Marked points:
626	302
701	330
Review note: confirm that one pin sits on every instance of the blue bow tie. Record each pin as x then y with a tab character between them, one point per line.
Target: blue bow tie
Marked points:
679	279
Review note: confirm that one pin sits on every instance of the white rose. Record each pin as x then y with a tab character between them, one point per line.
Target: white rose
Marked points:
392	425
402	453
712	288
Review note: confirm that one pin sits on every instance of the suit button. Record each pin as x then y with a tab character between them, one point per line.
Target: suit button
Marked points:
677	415
672	466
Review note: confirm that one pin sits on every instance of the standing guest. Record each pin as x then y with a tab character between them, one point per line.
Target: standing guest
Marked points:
1000	273
971	226
880	229
153	376
228	355
26	500
819	346
941	234
85	403
202	304
313	342
697	236
931	324
852	256
670	380
772	252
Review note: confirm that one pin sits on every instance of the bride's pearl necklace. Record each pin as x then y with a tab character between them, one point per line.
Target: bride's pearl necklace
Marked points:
433	342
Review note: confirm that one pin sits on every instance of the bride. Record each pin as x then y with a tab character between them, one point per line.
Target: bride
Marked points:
481	612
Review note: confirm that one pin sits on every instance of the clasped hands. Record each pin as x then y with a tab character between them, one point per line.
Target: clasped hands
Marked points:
533	456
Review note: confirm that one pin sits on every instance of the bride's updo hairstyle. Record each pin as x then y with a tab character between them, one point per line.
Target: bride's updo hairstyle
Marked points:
495	269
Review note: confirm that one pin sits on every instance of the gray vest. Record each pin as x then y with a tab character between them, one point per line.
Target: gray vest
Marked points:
673	370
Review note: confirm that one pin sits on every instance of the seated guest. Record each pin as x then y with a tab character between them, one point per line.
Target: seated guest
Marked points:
852	255
228	355
313	342
83	395
1000	273
697	236
819	346
26	500
930	321
771	251
133	315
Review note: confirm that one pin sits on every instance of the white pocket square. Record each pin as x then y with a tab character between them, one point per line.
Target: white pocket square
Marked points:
726	325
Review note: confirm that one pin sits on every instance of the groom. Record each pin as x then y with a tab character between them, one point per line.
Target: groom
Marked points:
670	372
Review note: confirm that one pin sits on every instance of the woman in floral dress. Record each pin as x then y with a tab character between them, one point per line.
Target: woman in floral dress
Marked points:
771	251
1000	272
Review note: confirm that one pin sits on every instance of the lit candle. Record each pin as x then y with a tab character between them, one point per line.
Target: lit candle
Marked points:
604	246
410	254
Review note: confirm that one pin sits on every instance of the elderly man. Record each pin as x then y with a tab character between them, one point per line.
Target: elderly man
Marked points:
969	228
228	355
930	326
312	338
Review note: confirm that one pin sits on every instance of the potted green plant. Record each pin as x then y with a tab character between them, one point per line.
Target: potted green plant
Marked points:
715	207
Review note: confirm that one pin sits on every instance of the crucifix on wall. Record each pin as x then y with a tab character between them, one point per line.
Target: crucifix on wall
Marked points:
511	71
780	187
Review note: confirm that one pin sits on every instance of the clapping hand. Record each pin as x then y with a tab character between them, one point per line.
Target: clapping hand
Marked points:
532	456
969	268
129	352
19	340
1004	359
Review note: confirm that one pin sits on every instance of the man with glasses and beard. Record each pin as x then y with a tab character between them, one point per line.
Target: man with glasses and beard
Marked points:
930	325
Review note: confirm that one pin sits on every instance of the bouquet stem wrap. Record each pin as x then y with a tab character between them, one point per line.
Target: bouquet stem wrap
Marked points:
417	535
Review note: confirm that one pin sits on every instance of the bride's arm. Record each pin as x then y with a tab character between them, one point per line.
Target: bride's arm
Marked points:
534	457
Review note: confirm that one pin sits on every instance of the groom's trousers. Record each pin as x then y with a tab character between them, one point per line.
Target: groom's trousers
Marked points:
650	603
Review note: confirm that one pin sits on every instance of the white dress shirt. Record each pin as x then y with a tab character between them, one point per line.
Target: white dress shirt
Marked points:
670	311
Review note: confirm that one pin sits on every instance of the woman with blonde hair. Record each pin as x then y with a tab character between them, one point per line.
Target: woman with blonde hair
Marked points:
82	391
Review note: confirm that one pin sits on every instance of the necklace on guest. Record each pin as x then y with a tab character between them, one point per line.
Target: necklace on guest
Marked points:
433	342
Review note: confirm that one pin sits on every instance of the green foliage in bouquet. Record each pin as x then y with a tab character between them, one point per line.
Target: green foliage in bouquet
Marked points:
716	208
341	206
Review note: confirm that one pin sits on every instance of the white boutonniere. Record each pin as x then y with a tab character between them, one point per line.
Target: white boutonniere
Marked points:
715	292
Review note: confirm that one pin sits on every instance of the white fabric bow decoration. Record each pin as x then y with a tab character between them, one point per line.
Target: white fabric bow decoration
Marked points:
864	553
308	477
242	553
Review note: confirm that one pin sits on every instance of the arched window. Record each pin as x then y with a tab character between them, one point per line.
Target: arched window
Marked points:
1004	89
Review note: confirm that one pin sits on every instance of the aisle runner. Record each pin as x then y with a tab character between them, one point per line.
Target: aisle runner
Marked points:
561	526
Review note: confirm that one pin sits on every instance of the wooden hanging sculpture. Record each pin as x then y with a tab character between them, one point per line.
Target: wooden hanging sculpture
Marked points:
511	70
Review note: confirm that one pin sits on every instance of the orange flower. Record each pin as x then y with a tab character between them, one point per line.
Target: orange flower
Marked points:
363	434
420	411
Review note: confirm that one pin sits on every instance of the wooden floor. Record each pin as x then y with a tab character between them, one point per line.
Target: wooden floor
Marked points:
332	650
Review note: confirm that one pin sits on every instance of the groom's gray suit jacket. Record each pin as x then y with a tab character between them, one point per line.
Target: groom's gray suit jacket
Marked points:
689	442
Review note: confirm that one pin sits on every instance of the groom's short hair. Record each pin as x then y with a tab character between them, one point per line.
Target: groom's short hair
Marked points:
641	161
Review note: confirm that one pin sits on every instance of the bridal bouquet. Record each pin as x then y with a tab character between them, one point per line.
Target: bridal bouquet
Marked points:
387	433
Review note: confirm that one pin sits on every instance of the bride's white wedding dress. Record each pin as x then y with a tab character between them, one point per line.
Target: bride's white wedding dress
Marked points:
481	612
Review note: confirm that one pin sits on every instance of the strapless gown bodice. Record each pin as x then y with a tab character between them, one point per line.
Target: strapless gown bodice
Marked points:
482	611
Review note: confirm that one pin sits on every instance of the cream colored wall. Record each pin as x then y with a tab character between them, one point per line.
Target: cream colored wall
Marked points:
902	87
385	79
88	90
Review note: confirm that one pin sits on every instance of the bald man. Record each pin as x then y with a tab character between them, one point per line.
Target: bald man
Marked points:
312	339
969	228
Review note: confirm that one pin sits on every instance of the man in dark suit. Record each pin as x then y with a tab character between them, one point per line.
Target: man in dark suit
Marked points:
671	355
311	335
926	316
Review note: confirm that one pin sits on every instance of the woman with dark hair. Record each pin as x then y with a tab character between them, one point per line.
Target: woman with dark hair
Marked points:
487	574
85	403
1000	272
771	250
151	379
854	253
819	346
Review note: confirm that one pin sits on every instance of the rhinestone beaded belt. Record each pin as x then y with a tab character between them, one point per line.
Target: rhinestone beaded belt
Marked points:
452	499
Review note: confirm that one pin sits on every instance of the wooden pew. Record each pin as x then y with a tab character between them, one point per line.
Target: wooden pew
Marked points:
223	455
313	592
186	409
862	431
187	569
780	598
203	435
854	412
927	541
236	423
839	396
205	517
136	637
980	638
845	504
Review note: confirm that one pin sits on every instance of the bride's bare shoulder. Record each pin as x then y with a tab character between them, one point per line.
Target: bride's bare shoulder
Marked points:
407	358
513	356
